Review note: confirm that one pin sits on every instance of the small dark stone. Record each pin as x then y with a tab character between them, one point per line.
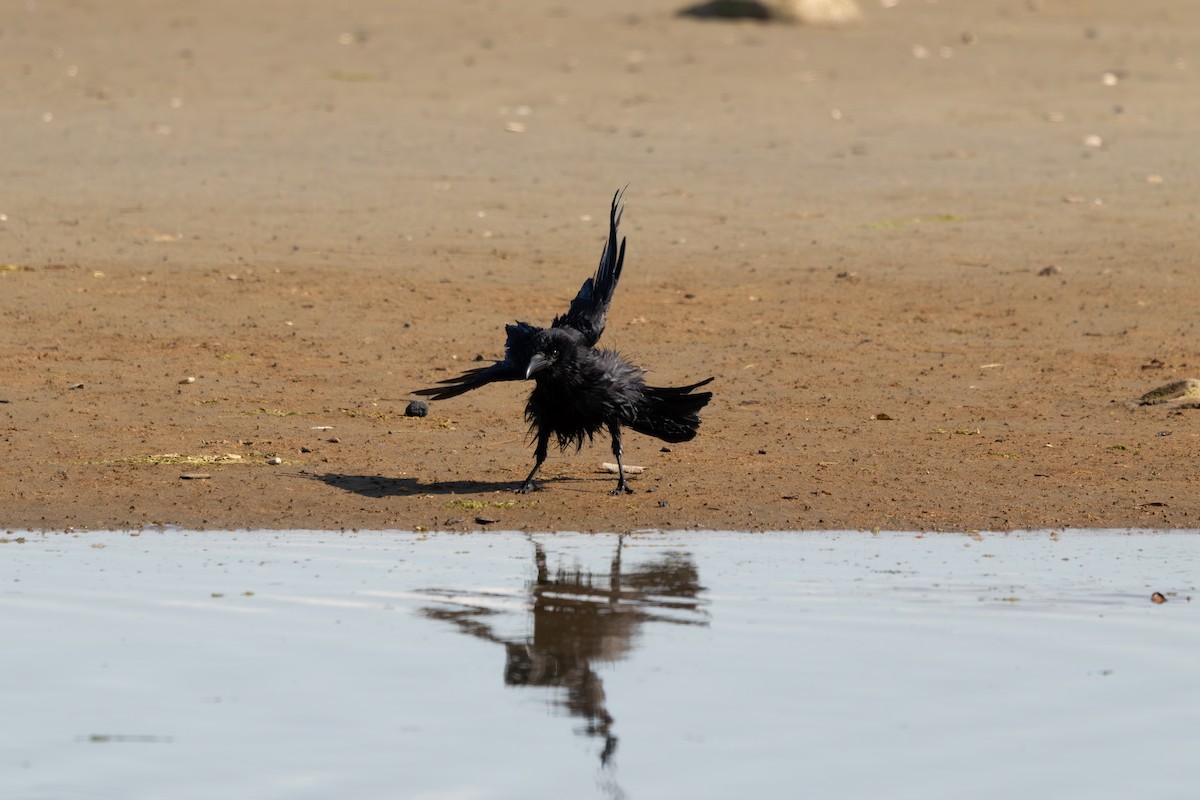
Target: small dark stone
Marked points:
477	357
728	9
663	504
417	408
305	450
665	450
485	520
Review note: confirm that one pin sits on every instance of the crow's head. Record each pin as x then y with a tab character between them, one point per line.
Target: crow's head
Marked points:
553	349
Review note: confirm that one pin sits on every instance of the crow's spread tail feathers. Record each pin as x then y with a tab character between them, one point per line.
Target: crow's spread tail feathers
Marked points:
590	307
671	413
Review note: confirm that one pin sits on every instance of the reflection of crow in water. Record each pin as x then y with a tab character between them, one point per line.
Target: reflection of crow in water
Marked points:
581	390
529	665
577	622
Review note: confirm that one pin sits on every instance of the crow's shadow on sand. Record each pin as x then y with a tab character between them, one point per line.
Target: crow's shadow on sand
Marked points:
381	486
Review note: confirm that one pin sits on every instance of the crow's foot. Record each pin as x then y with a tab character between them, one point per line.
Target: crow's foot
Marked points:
620	490
527	487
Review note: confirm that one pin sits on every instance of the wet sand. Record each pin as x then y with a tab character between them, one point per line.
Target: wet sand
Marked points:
932	261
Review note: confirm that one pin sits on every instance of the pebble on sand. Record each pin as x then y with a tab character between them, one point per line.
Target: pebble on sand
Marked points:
417	408
1187	389
805	12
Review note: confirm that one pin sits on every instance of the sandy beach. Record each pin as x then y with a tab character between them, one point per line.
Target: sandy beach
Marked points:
932	260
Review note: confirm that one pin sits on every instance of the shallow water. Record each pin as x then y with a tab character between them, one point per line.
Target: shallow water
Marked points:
503	665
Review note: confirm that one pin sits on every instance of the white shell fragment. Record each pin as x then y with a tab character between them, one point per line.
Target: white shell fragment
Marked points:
629	469
817	12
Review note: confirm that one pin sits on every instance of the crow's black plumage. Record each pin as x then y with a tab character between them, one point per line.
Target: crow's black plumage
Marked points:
581	390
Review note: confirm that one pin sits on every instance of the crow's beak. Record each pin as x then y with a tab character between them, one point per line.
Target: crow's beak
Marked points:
537	363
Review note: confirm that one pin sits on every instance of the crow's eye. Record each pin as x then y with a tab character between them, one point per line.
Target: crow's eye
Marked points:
554	352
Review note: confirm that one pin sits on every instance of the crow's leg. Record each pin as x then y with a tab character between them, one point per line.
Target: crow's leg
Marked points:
615	430
543	446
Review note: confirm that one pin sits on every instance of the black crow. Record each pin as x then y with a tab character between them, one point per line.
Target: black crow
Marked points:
581	389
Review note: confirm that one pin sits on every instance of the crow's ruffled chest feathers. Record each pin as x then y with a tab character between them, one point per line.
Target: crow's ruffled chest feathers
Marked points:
580	396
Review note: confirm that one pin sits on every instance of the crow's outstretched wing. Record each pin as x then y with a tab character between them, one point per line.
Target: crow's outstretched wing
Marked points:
517	351
590	306
586	315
